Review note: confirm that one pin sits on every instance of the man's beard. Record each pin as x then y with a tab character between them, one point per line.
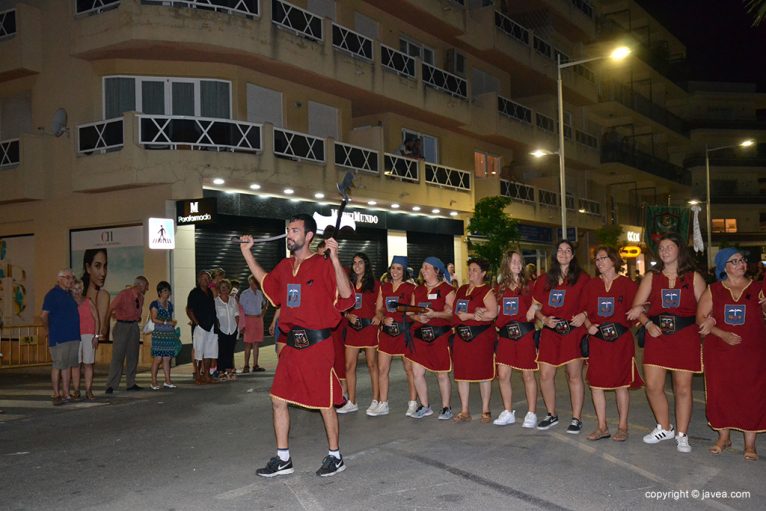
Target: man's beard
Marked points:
295	246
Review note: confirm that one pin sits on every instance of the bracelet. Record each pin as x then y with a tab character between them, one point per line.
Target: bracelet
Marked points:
647	323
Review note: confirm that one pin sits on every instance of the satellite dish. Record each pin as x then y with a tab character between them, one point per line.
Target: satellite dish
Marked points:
59	123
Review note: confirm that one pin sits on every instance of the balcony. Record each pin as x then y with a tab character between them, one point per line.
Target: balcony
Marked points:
617	153
10	154
448	177
249	8
22	161
20	43
445	81
100	137
301	22
353	43
527	194
93	7
624	95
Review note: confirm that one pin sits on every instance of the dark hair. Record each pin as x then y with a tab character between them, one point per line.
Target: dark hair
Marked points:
368	281
554	273
483	264
613	255
685	261
309	224
161	286
506	277
87	260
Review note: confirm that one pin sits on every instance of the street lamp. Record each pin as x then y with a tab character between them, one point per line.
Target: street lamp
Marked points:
744	144
616	54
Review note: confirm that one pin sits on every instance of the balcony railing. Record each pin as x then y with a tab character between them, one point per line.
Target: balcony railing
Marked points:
401	167
7	24
548	198
293	18
586	139
545	123
584	7
517	191
10	153
356	158
616	152
585	72
445	81
246	7
612	91
514	110
347	40
90	7
298	146
512	29
174	132
542	47
397	61
101	136
448	177
590	207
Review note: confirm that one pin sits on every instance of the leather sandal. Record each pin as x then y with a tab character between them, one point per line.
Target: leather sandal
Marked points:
751	455
718	448
621	435
462	417
598	435
246	369
486	417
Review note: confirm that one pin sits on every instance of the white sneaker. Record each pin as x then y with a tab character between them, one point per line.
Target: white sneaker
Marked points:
412	407
373	406
382	409
348	408
505	418
530	421
682	443
658	435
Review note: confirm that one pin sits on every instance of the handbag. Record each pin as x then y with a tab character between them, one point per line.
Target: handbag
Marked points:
149	325
178	344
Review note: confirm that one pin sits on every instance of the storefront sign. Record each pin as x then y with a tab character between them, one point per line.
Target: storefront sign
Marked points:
162	234
196	211
633	236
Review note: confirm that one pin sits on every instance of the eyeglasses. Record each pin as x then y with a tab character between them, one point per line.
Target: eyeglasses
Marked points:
735	262
599	259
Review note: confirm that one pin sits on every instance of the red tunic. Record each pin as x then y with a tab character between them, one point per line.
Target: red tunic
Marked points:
365	308
682	350
521	354
474	360
394	345
434	356
308	298
611	365
563	302
735	376
339	347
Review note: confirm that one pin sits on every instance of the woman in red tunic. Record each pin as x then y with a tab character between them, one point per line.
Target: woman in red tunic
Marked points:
393	292
557	305
516	343
474	343
430	336
362	331
672	343
612	361
734	354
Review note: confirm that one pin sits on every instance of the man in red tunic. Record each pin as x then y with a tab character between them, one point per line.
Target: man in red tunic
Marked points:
311	291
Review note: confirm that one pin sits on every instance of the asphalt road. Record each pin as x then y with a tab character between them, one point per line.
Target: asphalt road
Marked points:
197	447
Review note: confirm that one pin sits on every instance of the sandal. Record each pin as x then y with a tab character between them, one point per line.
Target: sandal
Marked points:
258	369
621	436
246	369
751	455
486	417
598	435
74	395
89	395
462	417
719	448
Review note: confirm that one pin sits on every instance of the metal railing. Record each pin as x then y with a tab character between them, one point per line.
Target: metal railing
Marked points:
545	123
585	72
246	7
590	207
567	131
401	167
584	7
448	177
445	81
514	110
542	47
616	152
24	346
356	158
90	7
7	24
100	136
512	29
351	42
517	191
548	198
613	91
586	139
293	18
298	146
10	153
170	132
397	61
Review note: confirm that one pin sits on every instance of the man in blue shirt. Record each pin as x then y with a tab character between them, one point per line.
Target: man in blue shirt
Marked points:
63	323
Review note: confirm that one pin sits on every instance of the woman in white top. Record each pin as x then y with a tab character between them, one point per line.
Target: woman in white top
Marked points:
227	312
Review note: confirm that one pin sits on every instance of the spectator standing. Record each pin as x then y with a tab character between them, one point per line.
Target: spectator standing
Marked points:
200	308
252	306
126	309
88	341
227	312
164	335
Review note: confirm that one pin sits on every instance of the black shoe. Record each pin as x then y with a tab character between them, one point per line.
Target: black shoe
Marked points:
331	466
276	467
548	422
575	426
134	388
109	390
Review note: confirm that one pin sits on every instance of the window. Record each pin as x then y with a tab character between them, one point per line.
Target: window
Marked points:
192	97
323	120
264	105
15	116
366	25
429	145
322	8
482	82
724	225
486	164
416	49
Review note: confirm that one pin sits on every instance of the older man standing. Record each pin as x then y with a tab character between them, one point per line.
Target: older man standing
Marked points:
63	322
126	309
200	308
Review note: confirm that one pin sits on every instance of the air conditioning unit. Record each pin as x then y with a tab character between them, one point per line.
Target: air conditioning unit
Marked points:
455	62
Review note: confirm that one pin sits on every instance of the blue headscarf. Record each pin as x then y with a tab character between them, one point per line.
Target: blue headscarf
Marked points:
439	265
399	260
721	257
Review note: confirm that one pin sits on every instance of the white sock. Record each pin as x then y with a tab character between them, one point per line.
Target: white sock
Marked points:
335	454
284	454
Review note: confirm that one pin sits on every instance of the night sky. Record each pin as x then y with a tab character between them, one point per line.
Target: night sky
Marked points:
721	44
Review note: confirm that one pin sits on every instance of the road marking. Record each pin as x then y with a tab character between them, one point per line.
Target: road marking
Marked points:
304	496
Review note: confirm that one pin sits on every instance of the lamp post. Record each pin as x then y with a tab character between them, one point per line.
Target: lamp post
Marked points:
617	54
744	144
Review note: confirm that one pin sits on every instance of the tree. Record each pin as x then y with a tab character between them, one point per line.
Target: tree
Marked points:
757	8
609	235
493	231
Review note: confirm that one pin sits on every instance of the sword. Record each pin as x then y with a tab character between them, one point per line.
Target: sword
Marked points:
236	239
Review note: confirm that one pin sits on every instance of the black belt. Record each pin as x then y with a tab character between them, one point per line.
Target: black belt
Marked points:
394	330
610	332
468	333
360	323
562	327
300	338
515	330
126	321
429	333
670	323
